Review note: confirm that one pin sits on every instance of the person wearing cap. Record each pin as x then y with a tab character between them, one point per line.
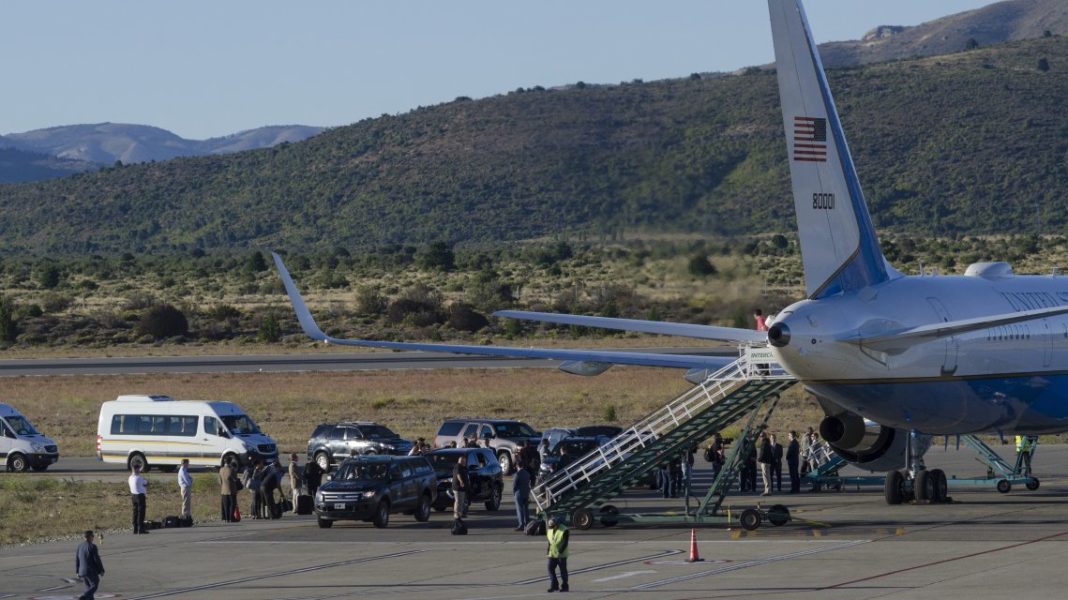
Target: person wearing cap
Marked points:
558	536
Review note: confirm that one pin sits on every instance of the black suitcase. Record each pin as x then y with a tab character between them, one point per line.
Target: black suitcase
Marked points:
458	527
185	521
287	505
150	525
305	505
170	522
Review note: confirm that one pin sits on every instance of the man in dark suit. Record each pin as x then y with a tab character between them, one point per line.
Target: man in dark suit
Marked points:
793	458
88	566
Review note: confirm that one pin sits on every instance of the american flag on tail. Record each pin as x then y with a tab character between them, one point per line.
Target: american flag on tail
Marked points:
810	139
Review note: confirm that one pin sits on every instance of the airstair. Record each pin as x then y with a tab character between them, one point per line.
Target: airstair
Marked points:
722	399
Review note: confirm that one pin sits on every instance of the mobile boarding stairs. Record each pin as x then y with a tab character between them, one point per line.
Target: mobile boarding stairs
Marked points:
750	385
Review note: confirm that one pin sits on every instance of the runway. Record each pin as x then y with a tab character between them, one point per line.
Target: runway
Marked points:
846	545
321	361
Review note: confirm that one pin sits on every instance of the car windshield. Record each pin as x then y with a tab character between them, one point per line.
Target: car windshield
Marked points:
240	424
443	460
21	426
352	471
511	430
377	432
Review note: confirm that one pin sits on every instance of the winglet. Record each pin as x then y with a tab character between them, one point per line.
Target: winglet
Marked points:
307	323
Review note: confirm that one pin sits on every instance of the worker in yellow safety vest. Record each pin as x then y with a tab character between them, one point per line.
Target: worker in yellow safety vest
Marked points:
1025	447
558	537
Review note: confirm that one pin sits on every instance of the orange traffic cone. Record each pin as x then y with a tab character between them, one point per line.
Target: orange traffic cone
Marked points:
694	557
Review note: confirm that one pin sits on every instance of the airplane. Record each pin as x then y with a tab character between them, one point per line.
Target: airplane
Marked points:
892	359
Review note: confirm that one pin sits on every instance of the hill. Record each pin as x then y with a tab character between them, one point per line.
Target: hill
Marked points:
17	166
995	24
971	142
105	143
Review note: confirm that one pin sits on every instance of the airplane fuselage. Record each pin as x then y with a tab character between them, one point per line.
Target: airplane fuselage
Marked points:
1006	378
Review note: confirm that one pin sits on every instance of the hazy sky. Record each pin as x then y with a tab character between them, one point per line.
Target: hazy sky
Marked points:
204	68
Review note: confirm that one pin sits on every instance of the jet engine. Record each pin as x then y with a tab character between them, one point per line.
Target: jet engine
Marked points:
868	444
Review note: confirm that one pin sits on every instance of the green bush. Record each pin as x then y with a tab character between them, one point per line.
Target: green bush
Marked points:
163	321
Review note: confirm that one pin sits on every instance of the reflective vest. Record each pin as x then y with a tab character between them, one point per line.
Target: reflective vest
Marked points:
557	541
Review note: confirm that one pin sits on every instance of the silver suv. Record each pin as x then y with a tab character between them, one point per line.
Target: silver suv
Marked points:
502	435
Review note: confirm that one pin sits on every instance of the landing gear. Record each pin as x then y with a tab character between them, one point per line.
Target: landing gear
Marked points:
915	482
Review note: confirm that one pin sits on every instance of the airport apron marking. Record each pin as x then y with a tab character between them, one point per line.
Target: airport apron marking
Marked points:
310	569
746	564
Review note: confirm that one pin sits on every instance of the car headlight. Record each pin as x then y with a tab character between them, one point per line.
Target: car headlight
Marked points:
369	494
318	497
36	447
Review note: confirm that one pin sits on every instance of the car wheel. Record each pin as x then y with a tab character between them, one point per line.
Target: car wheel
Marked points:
17	463
381	520
325	523
506	462
422	512
323	460
137	460
494	502
229	459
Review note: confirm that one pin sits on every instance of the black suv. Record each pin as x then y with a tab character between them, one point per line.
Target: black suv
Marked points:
487	480
331	443
577	446
370	488
503	435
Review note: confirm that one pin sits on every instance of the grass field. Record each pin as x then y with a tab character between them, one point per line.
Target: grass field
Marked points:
289	405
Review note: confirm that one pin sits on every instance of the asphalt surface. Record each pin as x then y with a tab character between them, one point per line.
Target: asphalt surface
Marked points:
839	545
340	361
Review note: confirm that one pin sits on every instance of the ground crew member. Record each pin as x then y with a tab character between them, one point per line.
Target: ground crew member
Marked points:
138	492
185	486
1025	447
558	537
88	567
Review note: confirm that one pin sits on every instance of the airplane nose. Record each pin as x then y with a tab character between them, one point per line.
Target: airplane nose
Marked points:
779	335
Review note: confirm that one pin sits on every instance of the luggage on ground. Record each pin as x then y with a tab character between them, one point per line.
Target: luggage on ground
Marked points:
170	522
305	505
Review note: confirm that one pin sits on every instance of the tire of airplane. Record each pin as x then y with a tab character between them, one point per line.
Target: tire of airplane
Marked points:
922	486
892	487
939	486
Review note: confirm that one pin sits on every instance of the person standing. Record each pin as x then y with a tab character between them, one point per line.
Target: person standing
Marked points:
776	463
88	566
185	486
294	477
806	443
226	492
558	538
313	476
255	482
270	484
521	495
461	482
793	460
763	457
138	493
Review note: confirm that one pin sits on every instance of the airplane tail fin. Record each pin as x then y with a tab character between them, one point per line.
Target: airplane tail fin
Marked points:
839	249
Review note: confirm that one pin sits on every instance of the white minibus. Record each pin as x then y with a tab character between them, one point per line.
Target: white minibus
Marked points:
159	431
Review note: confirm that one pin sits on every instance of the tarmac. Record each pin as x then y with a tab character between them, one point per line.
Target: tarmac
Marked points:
846	544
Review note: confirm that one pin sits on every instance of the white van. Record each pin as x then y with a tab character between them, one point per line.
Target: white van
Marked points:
22	446
159	431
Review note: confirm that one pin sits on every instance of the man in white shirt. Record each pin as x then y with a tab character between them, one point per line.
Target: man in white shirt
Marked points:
185	484
138	491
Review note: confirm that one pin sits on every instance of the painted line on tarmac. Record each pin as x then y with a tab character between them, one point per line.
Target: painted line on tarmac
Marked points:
946	560
617	563
302	570
745	565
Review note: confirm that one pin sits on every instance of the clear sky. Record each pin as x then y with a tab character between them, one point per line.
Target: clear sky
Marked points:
204	68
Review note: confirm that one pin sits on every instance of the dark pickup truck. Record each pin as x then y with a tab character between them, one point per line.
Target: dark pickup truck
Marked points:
370	488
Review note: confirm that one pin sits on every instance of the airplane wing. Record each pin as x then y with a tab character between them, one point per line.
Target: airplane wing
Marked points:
901	340
704	332
649	359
